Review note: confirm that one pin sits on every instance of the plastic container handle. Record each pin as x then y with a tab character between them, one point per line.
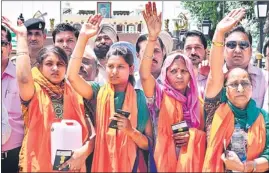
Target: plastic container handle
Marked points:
70	122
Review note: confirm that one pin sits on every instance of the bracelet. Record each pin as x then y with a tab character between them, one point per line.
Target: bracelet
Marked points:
22	53
152	40
148	57
76	57
218	44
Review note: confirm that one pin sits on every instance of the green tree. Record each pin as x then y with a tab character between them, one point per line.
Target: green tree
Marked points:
216	10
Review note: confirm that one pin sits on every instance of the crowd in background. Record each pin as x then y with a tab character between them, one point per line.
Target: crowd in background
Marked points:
87	75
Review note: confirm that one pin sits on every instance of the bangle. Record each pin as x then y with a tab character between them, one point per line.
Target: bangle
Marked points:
148	57
22	53
152	40
76	57
218	44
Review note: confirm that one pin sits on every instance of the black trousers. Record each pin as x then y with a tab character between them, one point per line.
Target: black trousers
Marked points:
10	161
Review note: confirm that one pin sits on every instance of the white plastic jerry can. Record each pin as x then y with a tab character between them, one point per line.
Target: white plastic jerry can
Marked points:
65	135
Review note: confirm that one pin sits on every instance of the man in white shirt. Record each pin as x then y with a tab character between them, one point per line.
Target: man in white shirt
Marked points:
163	47
104	39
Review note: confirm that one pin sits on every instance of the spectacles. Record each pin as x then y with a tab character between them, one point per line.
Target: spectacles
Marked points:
242	44
4	43
244	84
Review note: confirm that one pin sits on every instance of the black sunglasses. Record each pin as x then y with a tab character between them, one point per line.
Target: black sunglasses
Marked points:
242	44
4	43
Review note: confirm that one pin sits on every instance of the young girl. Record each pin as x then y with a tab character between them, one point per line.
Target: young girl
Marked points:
115	150
47	97
176	101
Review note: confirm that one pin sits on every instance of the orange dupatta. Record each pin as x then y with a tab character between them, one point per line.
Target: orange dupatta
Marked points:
222	128
191	156
35	154
114	152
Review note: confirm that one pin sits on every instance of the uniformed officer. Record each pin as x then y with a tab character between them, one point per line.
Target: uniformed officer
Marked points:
35	37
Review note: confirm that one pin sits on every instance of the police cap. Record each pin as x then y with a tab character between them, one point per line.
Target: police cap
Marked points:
35	23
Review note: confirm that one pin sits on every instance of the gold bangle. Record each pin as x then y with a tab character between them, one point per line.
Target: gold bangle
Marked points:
218	44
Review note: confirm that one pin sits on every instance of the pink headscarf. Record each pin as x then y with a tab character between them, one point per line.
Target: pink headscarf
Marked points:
190	102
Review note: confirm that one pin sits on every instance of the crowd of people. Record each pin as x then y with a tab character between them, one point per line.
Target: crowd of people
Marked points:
221	100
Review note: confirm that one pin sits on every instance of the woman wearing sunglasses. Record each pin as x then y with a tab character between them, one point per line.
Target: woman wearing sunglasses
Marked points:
238	138
46	98
176	149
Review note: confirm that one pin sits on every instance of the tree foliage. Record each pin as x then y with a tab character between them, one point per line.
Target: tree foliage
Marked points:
216	10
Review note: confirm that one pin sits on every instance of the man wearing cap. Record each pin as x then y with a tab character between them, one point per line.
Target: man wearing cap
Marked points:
163	46
35	36
105	38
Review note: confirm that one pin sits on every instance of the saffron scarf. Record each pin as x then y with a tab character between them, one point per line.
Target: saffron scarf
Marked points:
191	156
114	151
35	154
54	91
222	128
190	102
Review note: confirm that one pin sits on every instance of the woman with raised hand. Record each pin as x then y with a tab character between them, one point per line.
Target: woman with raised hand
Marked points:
115	150
176	101
46	98
238	136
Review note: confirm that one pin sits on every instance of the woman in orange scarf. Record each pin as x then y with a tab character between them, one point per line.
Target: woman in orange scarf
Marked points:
115	150
47	97
175	102
237	130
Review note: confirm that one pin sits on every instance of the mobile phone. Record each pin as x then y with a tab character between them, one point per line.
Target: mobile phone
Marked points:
61	157
180	127
113	123
124	113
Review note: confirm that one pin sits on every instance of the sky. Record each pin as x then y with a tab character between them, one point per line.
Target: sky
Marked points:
12	9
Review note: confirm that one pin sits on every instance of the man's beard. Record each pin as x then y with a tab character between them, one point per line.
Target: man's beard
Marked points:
101	51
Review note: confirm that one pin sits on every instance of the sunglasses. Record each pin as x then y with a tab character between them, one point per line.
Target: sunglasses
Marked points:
242	44
244	84
4	43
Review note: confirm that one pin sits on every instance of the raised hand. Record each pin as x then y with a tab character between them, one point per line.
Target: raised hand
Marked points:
91	27
229	21
18	30
204	67
153	21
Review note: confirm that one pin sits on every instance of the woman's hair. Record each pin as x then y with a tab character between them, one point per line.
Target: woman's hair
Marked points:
227	75
126	54
177	57
44	52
